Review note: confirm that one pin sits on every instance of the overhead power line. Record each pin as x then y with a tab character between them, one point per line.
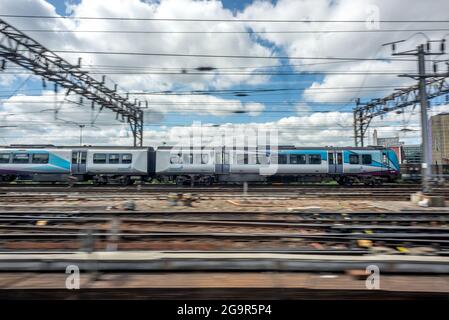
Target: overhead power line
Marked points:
254	73
218	20
163	54
251	31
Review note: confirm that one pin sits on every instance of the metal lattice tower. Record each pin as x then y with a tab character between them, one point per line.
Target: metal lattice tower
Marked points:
22	50
430	85
365	112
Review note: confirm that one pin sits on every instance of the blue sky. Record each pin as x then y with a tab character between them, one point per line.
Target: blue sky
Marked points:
309	107
287	99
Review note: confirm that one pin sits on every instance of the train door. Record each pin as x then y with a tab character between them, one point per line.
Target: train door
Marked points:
339	162
79	162
331	162
221	161
384	162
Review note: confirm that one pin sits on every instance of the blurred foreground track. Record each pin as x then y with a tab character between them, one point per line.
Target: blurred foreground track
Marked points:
196	275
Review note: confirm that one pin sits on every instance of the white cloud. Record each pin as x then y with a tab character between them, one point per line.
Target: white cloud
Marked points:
202	104
357	45
332	128
36	122
35	119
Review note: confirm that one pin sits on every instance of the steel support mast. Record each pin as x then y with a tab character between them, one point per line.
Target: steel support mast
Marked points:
22	50
429	86
426	143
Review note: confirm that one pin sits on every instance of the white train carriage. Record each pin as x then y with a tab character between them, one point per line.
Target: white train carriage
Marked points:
103	164
287	163
185	164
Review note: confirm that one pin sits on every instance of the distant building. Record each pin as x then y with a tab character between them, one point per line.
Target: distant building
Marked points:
386	142
412	153
440	138
390	142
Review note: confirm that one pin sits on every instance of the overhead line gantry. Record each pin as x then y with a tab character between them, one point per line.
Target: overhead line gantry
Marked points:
24	51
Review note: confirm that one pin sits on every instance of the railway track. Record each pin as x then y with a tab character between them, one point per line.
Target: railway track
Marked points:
345	224
31	193
398	217
396	195
170	186
234	230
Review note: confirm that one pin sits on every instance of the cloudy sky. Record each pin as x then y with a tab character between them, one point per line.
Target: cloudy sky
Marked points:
285	75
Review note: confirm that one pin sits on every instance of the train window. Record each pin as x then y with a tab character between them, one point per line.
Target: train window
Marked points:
188	158
241	158
226	158
204	158
297	159
354	159
40	158
20	158
4	157
218	158
331	158
314	158
252	159
197	158
282	159
339	158
83	157
99	158
127	158
74	157
366	159
114	158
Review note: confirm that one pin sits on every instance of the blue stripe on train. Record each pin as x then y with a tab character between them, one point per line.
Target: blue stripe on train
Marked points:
55	162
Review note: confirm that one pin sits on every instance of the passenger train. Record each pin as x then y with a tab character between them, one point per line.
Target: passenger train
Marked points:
197	165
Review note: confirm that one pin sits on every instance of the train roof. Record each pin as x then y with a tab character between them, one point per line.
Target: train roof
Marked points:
284	147
279	148
51	146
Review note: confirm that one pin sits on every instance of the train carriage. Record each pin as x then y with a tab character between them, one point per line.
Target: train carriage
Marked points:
203	165
55	164
370	165
38	164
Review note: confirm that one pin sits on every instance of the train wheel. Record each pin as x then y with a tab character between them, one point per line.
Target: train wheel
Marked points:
341	181
345	181
125	181
180	181
7	178
209	181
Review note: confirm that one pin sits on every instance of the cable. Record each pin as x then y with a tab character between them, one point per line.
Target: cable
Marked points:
232	32
232	91
305	73
220	68
226	56
215	20
20	86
